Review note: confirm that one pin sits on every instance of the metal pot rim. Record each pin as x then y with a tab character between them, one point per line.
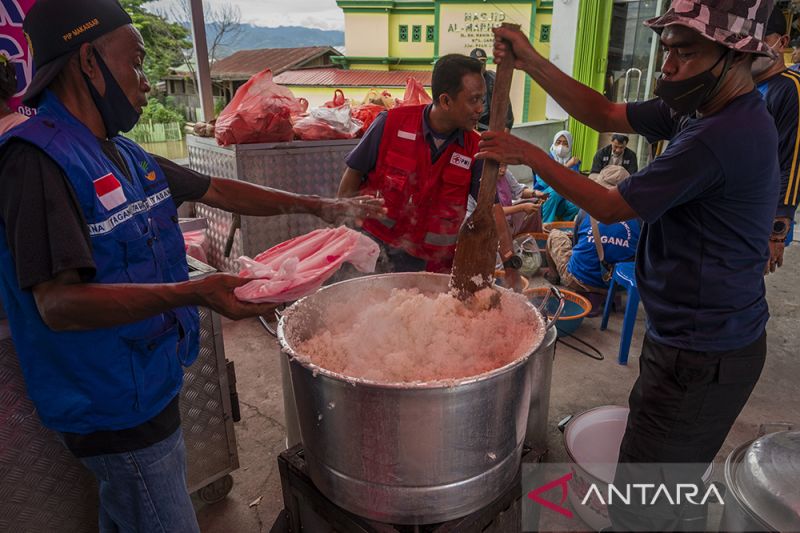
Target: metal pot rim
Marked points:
732	462
427	385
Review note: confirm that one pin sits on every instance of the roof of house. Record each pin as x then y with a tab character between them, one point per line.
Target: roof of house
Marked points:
244	63
352	78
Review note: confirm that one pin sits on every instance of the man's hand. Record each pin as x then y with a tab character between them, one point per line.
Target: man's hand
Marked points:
216	292
776	248
520	45
338	211
503	148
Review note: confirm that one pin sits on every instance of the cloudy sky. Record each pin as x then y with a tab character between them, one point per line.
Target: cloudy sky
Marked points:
322	14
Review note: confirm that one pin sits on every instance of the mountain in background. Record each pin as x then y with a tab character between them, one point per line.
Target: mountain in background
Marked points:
251	37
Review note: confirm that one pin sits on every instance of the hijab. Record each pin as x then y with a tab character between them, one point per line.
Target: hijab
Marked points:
567	135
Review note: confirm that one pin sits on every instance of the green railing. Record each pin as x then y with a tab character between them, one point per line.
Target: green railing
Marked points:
152	132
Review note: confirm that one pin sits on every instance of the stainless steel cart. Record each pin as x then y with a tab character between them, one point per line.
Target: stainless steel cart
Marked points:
44	488
306	167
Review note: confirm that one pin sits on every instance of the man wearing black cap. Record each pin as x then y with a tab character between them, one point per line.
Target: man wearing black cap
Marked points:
93	274
780	88
488	78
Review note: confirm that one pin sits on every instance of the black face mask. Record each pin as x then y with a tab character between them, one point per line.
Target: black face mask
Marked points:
116	110
686	96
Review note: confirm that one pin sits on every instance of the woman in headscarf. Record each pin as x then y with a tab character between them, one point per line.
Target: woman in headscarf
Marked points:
8	86
557	207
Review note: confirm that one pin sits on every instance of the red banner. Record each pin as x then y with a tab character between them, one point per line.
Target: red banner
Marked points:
14	46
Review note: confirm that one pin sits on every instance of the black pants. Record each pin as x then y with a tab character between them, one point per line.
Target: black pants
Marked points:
682	407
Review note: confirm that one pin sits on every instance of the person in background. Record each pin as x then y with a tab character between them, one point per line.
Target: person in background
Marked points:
795	55
522	216
780	88
93	271
420	159
8	86
556	207
617	153
489	77
574	261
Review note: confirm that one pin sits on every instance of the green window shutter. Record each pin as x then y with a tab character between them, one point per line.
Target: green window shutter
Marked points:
591	55
430	33
403	33
544	33
416	34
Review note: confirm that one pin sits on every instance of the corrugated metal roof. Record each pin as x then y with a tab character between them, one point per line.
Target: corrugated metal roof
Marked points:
334	77
244	63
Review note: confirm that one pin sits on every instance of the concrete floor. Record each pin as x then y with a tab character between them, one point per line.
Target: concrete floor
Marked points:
579	383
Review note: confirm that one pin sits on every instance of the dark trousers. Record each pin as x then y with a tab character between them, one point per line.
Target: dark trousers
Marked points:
682	407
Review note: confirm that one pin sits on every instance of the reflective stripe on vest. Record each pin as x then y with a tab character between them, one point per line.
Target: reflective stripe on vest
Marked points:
441	239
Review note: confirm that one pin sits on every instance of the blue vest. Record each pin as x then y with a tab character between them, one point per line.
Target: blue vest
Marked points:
119	377
619	242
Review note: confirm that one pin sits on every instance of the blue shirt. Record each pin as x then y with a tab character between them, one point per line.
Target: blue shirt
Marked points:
365	155
540	185
782	94
708	202
619	242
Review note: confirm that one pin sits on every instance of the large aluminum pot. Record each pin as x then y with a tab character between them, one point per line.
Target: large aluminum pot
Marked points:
762	481
405	454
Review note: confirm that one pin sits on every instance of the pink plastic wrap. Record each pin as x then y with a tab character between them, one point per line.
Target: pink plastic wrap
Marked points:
298	267
196	244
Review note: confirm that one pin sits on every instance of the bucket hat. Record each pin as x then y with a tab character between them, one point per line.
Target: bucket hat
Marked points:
736	24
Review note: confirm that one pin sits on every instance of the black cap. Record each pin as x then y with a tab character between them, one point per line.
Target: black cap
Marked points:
776	23
56	29
478	53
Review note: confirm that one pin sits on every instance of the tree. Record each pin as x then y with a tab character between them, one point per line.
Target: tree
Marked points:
164	41
224	23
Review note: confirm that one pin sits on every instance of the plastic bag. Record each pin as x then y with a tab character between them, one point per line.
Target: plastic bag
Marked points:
298	267
338	99
260	111
415	94
366	114
325	123
196	244
383	99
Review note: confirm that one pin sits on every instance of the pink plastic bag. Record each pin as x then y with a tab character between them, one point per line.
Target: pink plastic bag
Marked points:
196	244
324	123
298	267
415	94
260	111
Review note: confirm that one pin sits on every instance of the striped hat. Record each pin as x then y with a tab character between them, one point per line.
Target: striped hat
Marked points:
736	24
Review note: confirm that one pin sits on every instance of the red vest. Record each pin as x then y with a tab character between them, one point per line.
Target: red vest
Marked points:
426	201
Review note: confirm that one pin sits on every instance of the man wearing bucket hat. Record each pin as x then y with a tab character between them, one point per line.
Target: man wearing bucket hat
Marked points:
708	203
93	272
780	87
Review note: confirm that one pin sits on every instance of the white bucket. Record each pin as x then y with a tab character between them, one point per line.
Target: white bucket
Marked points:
592	441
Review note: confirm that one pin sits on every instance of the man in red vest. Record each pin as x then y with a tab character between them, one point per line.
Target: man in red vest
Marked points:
420	159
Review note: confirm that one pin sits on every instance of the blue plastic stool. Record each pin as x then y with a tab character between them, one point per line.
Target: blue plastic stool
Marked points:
625	275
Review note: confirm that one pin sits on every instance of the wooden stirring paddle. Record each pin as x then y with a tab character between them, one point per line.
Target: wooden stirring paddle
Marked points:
476	250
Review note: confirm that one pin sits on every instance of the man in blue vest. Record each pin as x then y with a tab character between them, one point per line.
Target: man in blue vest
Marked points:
93	273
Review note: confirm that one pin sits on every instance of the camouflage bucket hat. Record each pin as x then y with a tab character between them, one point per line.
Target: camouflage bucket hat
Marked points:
736	24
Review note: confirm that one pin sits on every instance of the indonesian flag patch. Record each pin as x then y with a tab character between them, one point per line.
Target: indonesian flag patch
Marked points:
109	191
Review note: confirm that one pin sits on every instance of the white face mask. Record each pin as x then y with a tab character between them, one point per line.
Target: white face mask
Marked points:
562	150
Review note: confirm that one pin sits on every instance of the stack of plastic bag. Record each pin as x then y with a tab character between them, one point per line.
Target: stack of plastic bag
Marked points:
298	267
